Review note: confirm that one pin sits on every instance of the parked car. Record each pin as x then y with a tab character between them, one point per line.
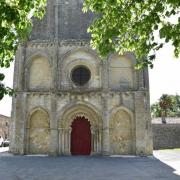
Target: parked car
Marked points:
6	142
1	141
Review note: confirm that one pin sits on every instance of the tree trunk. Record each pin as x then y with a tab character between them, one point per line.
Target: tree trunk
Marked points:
163	117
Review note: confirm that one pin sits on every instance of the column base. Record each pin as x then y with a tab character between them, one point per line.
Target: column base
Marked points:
106	153
53	154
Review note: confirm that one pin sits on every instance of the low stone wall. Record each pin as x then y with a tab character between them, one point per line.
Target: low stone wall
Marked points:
166	136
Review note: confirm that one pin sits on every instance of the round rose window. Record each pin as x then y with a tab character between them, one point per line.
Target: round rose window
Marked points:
80	75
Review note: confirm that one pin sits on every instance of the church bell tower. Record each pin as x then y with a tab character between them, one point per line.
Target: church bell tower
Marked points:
68	100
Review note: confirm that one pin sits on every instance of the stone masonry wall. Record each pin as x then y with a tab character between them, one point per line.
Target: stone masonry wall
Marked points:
4	126
166	136
43	82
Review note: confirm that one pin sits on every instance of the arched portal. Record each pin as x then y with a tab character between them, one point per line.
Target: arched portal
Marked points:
38	132
81	136
121	132
79	116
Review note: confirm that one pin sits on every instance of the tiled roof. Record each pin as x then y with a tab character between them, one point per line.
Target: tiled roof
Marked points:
4	118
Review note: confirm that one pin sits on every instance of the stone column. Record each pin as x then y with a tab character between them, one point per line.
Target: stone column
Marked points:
18	114
146	78
92	141
57	3
143	135
67	142
105	109
62	141
95	142
140	123
98	141
149	137
141	79
105	74
105	143
53	142
54	138
19	81
18	126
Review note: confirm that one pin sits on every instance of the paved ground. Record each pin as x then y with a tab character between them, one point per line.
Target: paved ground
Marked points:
86	168
171	158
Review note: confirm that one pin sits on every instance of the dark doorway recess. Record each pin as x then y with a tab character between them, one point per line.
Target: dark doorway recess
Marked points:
81	137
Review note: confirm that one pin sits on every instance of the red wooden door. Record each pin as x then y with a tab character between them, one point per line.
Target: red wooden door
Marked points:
81	137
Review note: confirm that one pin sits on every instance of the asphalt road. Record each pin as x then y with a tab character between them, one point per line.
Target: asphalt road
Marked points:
89	168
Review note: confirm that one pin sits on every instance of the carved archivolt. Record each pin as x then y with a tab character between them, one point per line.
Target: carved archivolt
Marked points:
38	54
79	57
129	57
89	54
80	110
121	108
43	116
121	116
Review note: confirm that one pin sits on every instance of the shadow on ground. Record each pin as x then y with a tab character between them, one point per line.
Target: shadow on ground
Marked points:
83	168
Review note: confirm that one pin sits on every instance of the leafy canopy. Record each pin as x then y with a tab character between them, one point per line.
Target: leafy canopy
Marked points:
15	23
129	25
167	104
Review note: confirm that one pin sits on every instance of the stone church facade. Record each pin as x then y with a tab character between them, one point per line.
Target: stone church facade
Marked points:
71	102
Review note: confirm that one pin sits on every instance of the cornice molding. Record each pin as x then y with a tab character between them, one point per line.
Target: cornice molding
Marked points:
59	43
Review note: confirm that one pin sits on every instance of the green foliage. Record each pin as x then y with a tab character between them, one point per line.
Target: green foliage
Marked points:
5	91
15	23
168	105
155	110
175	108
128	25
165	103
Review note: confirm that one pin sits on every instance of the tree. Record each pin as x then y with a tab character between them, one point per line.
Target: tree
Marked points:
167	106
165	103
15	24
128	25
155	110
175	108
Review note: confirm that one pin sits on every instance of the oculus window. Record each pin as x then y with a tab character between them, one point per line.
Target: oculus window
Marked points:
80	75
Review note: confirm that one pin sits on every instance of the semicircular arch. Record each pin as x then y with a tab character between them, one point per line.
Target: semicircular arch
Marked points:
121	108
130	58
38	54
38	109
83	49
70	112
39	72
122	131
